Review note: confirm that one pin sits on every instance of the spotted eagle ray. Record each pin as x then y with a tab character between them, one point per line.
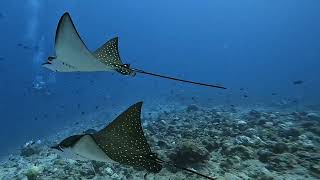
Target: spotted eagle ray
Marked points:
122	141
72	55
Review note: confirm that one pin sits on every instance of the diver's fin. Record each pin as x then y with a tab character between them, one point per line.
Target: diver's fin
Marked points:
123	140
71	50
177	79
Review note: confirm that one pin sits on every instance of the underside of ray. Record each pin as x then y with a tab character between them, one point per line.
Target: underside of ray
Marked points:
71	52
123	140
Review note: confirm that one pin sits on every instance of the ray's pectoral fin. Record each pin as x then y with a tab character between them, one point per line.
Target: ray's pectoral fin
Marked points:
71	52
123	140
108	54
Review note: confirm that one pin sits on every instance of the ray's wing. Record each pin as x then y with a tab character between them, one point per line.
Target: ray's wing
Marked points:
71	50
108	54
123	140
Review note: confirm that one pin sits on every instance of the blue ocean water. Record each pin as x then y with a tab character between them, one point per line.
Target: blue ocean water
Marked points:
257	49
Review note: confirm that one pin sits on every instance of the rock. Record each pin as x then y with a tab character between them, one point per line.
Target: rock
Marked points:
282	162
172	130
305	141
268	124
33	172
279	148
241	125
210	144
239	150
225	165
250	132
264	155
265	177
315	168
87	173
189	153
98	166
108	171
192	108
162	144
313	116
256	169
243	140
30	150
262	121
309	124
254	115
232	162
294	132
229	176
315	130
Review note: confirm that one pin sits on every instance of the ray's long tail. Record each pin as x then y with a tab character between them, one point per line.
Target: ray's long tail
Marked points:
183	168
176	79
127	66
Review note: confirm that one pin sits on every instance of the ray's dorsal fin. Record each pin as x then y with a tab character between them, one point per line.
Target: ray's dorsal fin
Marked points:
123	140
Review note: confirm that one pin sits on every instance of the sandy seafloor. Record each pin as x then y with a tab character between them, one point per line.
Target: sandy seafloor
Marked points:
223	142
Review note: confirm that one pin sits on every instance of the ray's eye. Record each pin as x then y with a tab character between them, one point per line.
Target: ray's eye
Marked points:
50	58
126	65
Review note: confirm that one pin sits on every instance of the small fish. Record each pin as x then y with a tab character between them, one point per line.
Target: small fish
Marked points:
122	141
2	15
2	58
273	94
298	82
245	96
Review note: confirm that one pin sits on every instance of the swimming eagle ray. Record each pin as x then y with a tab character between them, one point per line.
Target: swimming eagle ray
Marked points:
122	141
72	55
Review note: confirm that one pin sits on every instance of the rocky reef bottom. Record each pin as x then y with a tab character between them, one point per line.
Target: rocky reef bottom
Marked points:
226	143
